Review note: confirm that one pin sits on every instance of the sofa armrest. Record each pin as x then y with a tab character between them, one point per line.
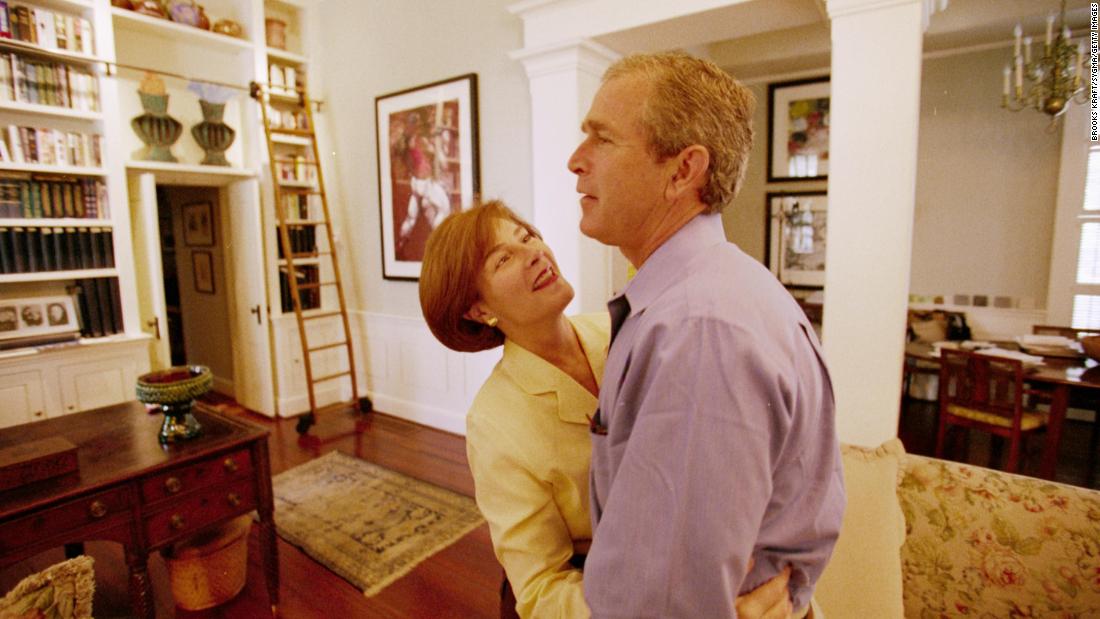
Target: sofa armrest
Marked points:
986	543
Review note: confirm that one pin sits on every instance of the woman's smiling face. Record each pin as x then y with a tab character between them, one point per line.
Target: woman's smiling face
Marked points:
520	283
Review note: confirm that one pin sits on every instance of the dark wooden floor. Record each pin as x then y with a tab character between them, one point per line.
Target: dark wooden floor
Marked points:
462	581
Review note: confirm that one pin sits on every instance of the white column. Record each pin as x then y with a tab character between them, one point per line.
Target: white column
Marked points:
876	68
563	80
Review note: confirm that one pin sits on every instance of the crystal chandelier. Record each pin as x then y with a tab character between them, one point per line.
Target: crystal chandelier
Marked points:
1054	79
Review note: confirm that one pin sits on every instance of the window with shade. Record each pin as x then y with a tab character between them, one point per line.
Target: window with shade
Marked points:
1086	285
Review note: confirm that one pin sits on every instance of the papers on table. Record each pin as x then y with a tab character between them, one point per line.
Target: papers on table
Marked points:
1045	341
988	348
1012	354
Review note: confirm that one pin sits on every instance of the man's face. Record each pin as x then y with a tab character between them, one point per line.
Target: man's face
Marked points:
621	182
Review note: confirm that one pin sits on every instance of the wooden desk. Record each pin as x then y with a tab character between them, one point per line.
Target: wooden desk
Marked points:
132	490
1060	374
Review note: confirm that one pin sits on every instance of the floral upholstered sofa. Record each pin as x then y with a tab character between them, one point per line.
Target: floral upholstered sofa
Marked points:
957	540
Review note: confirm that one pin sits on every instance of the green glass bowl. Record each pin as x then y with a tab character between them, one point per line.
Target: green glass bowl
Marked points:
174	385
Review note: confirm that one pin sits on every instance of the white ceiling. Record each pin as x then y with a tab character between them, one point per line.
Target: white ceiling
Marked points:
772	37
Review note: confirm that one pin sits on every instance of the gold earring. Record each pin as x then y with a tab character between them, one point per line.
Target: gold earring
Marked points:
492	322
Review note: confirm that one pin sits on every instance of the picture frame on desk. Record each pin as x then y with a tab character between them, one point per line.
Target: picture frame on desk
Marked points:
202	268
428	165
32	320
198	224
798	130
796	224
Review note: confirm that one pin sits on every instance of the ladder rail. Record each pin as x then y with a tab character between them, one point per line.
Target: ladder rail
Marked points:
339	281
288	255
262	94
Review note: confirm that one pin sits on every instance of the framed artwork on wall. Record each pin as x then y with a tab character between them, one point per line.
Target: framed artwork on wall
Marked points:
798	130
202	269
428	165
198	224
796	226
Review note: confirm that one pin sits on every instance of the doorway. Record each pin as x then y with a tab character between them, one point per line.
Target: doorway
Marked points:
195	285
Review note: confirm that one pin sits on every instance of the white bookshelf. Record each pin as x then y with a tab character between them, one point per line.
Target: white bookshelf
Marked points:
191	174
50	276
55	222
179	34
41	168
56	111
58	54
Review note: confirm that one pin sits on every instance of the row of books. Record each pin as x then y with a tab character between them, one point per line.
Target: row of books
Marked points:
47	83
303	240
311	297
35	250
23	195
99	306
46	28
51	147
302	206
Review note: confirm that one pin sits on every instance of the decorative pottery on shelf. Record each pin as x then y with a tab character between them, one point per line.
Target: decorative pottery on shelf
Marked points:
229	28
155	127
276	32
174	390
151	8
184	12
213	135
204	19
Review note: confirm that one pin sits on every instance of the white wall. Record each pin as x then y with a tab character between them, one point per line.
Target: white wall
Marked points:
373	48
383	47
987	180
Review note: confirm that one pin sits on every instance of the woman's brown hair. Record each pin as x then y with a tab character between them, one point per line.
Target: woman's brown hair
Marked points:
449	275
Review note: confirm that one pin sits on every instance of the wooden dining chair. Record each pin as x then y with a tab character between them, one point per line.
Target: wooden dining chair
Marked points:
986	393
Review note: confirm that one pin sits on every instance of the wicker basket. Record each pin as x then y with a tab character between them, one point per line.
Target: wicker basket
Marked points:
211	568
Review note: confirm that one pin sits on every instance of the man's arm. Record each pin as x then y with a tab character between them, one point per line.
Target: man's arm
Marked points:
695	477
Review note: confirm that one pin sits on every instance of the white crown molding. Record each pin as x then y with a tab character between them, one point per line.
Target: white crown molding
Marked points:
581	54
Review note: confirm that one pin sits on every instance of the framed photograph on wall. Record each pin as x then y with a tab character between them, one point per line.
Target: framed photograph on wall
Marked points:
796	226
427	165
38	318
798	130
202	269
198	224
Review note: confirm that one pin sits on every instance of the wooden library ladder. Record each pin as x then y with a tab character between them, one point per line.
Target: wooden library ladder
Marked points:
298	221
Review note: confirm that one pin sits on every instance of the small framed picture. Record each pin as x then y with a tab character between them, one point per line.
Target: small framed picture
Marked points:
796	223
198	224
202	267
798	130
39	316
427	165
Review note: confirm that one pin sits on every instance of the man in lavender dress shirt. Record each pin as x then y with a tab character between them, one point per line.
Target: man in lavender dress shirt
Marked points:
714	442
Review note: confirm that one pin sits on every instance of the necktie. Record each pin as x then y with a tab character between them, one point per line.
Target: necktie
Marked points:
619	308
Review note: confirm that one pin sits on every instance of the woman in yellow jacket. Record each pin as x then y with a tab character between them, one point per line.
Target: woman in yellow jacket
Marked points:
488	279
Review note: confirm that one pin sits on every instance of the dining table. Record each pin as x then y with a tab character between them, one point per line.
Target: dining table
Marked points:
1060	374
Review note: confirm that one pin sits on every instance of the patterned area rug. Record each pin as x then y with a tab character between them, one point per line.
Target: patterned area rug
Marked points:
366	523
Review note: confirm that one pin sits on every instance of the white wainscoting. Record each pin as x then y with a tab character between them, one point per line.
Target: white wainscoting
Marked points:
399	365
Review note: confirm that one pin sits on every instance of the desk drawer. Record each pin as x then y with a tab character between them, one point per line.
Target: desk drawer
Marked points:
235	465
194	512
66	518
